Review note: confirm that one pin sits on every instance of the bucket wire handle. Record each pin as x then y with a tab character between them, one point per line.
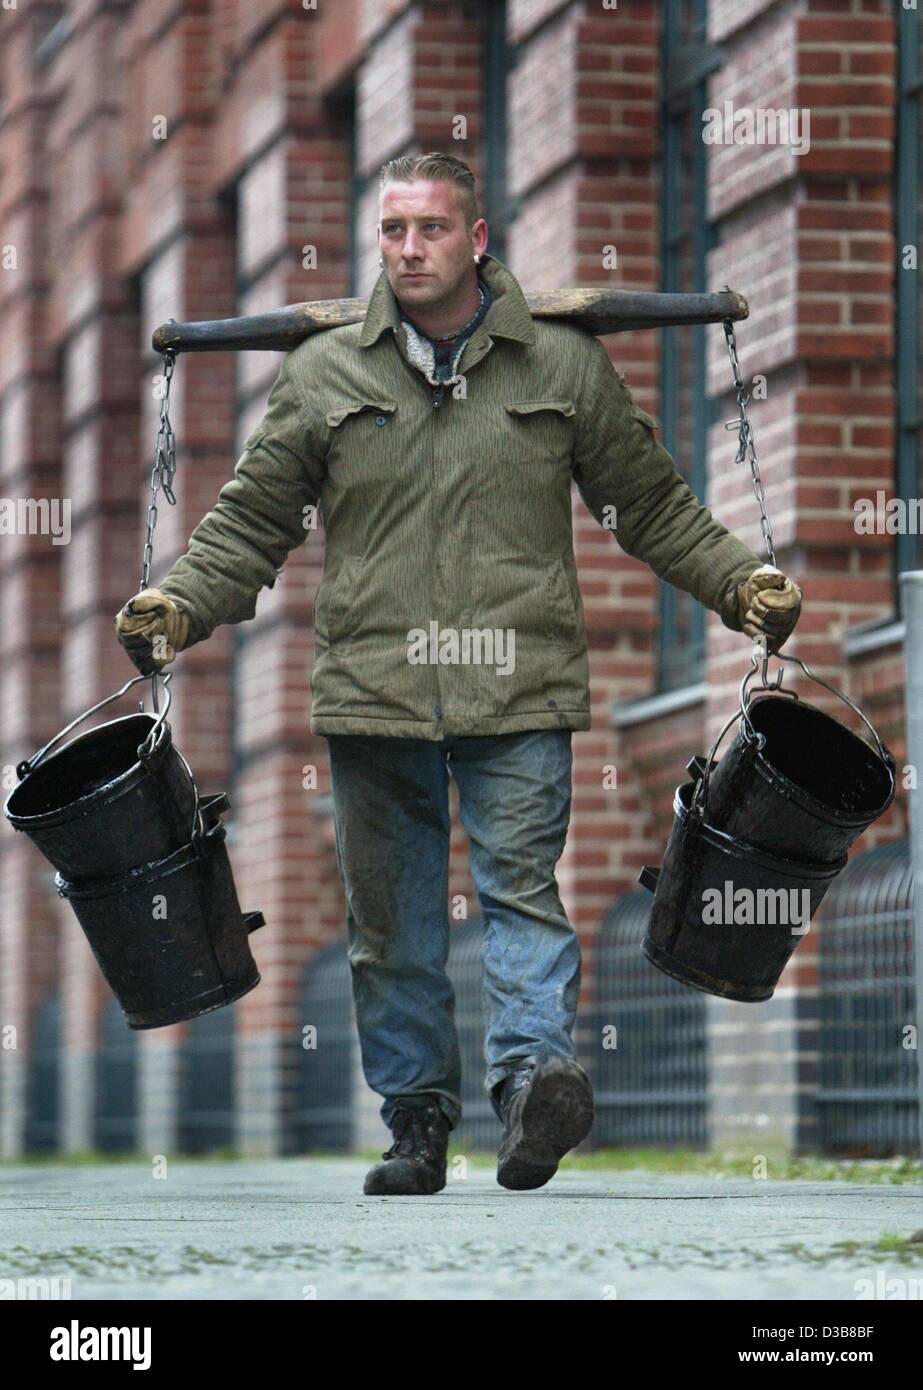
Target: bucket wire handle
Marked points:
28	765
759	658
701	787
199	829
884	753
161	480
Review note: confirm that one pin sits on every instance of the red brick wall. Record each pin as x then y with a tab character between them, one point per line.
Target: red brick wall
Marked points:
118	231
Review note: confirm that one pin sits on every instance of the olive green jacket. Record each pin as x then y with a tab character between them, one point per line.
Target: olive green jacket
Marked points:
449	602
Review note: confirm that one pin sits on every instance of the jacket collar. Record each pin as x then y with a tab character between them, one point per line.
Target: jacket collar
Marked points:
507	317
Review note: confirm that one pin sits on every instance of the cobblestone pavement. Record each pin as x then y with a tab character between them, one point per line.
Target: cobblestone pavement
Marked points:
301	1228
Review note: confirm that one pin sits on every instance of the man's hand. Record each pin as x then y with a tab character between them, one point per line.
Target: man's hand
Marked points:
768	605
152	627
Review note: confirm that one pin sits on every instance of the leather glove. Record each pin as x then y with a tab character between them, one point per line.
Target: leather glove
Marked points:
153	627
768	605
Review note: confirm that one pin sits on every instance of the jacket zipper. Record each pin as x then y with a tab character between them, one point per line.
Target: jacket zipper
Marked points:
437	707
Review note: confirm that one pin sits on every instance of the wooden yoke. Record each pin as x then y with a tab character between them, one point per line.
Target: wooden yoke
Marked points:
598	311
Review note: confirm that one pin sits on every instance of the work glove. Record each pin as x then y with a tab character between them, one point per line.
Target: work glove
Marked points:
153	627
768	605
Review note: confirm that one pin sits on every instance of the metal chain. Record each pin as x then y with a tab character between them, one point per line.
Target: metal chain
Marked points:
164	465
745	445
161	479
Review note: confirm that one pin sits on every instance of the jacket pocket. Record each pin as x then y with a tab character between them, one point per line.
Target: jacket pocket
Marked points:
527	408
380	411
539	432
339	615
564	614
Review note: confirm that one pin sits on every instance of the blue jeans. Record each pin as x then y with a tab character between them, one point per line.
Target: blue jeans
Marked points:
391	812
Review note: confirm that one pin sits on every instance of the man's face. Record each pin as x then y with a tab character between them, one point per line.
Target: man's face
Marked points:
427	250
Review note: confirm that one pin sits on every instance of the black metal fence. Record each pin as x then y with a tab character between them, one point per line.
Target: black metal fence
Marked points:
479	1127
867	1053
115	1120
206	1083
643	1041
42	1078
322	1114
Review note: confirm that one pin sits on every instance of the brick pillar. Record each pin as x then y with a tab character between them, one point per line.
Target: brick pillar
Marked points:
178	245
30	558
292	204
814	256
93	324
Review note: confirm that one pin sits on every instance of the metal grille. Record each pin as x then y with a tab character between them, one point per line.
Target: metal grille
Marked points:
322	1115
322	1118
206	1083
41	1127
479	1127
651	1086
866	1102
116	1082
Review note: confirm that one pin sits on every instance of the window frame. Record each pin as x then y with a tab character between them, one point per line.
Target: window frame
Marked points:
687	61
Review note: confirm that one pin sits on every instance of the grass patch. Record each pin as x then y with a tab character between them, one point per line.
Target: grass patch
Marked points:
741	1162
727	1162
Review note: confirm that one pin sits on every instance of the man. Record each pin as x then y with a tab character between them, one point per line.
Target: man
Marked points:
439	439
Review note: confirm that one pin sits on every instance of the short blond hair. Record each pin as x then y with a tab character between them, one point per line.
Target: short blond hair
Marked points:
407	168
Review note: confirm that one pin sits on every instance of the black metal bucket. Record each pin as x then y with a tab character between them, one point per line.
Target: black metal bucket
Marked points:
800	817
707	941
119	795
795	781
170	936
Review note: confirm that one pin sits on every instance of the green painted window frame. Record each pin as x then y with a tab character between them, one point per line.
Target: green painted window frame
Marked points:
687	61
498	58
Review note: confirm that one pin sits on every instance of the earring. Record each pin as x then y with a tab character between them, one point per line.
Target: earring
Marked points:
477	260
381	263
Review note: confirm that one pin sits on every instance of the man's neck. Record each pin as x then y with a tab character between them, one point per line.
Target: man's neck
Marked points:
445	323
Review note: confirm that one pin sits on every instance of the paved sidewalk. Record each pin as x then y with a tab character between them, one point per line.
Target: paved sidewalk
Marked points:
280	1228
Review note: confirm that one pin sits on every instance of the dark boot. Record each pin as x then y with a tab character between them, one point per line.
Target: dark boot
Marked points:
415	1162
546	1110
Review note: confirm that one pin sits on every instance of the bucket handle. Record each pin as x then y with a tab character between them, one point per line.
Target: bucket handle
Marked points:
759	656
199	828
28	765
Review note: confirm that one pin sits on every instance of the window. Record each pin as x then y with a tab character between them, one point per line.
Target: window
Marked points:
687	235
356	188
497	59
908	190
